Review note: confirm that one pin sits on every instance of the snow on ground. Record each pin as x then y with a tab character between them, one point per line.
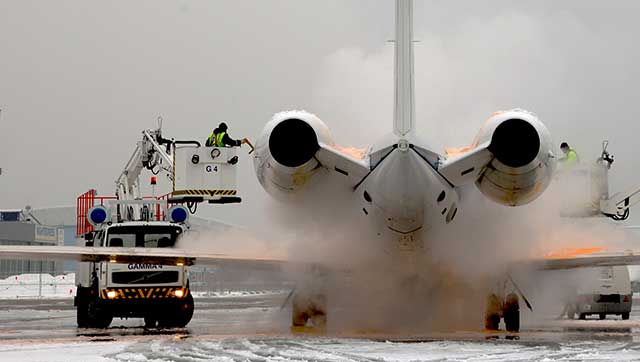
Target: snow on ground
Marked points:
237	293
318	349
33	334
73	352
38	286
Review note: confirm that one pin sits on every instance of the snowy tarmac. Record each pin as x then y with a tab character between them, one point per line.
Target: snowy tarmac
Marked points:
254	328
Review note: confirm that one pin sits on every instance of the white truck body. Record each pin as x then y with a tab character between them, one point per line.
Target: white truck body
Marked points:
158	293
604	291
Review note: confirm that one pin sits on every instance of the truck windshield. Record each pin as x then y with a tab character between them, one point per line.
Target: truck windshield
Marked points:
143	236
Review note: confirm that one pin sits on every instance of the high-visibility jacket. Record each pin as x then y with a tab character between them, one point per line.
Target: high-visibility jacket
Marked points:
215	139
211	140
219	138
571	159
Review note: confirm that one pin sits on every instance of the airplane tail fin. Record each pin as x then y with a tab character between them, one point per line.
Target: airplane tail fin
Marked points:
404	107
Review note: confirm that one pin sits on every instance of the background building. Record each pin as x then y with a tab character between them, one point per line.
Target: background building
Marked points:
23	227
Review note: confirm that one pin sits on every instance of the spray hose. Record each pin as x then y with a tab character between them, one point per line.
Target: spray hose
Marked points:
246	141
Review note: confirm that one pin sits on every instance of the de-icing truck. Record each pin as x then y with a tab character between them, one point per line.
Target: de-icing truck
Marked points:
158	293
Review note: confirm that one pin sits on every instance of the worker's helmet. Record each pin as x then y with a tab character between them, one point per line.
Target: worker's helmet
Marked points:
223	126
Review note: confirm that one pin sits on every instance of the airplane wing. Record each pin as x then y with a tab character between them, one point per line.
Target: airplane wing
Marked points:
165	256
345	161
585	258
579	258
465	165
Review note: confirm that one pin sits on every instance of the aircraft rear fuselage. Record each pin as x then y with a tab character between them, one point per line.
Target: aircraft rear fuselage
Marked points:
406	194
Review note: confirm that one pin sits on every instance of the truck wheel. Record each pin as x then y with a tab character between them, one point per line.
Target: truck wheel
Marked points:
181	316
82	314
583	316
625	316
89	313
492	313
82	308
602	316
105	322
150	322
511	313
185	311
98	317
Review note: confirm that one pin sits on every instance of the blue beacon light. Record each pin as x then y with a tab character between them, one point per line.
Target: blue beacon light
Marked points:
97	215
178	214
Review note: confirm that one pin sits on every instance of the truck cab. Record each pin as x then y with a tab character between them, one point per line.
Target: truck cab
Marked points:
158	293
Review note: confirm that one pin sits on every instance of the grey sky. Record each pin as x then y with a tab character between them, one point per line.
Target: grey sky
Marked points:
80	79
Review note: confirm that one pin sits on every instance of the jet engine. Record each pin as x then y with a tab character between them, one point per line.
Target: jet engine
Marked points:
523	163
285	152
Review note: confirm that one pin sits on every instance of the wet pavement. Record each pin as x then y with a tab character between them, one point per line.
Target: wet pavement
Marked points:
56	319
256	328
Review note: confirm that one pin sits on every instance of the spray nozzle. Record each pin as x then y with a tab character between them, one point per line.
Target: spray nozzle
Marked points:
606	156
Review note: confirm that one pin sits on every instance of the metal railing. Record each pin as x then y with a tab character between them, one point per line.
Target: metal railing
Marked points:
89	199
84	203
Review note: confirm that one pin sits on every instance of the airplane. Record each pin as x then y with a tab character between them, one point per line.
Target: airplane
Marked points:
403	186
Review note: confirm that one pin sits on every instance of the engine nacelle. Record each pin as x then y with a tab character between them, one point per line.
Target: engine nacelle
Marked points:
523	162
285	152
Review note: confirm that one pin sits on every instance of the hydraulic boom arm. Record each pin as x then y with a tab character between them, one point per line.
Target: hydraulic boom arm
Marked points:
616	206
148	154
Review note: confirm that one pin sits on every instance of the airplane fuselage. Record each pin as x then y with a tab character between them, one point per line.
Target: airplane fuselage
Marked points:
406	194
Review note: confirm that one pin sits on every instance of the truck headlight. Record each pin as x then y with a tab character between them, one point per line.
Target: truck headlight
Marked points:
179	293
111	294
